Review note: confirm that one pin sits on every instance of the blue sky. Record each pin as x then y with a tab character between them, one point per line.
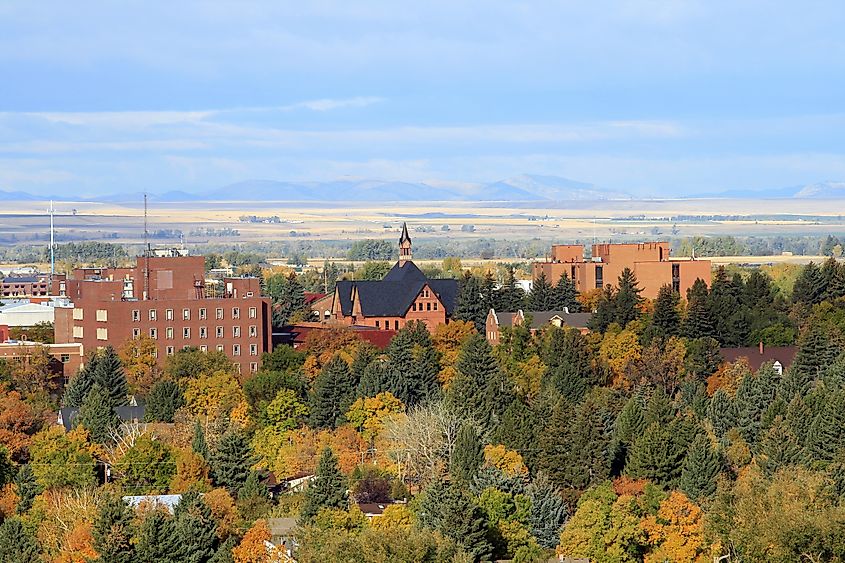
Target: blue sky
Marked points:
647	96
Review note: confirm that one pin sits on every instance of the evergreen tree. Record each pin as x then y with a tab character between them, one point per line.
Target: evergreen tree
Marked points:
541	297
365	354
658	409
721	412
97	414
700	469
156	539
657	455
164	400
565	295
224	552
467	455
510	296
826	437
817	349
488	292
471	305
413	365
328	489
630	425
231	461
195	530
17	544
428	370
478	391
567	357
628	299
666	318
79	385
699	322
198	444
517	431
252	487
456	516
113	531
779	447
331	394
605	312
809	287
375	380
548	512
111	377
750	404
799	417
27	489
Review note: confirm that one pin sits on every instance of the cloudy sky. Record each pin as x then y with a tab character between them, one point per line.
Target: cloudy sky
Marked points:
649	96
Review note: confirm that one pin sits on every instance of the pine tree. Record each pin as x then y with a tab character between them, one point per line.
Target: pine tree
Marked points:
699	322
567	357
658	409
164	400
198	444
195	530
541	297
565	295
252	487
428	370
700	469
809	287
27	488
328	489
826	437
81	383
779	447
799	418
156	539
467	455
471	305
17	544
476	393
548	512
721	412
510	296
488	292
365	354
375	380
331	394
750	405
459	518
231	461
817	349
111	377
113	531
630	425
605	312
666	318
517	430
628	299
97	414
657	456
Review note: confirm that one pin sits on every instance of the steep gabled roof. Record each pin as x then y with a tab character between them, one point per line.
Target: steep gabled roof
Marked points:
405	236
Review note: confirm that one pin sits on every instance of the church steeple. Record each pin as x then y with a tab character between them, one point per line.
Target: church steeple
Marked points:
404	245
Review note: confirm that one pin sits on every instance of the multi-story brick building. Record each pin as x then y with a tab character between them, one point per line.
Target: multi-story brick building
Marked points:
165	298
31	285
405	294
651	263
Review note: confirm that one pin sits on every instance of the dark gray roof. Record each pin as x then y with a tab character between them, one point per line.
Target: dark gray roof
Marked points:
405	236
126	413
393	296
22	279
542	318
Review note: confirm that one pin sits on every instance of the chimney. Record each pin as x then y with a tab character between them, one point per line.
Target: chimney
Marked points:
761	347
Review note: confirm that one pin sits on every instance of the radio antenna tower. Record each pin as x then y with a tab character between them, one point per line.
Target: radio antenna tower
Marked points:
52	244
146	252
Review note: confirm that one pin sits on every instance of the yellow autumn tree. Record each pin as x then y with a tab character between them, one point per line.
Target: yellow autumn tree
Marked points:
618	350
368	415
78	546
140	364
448	339
505	460
676	532
213	395
394	517
252	548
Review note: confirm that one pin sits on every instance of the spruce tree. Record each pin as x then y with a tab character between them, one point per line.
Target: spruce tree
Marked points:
548	512
750	405
113	531
541	297
565	295
467	455
27	488
570	367
809	287
666	318
195	530
488	292
428	369
365	354
471	305
779	447
375	380
699	322
517	430
17	544
156	541
700	469
510	296
605	312
476	391
826	437
252	487
459	518
111	377
629	426
81	383
198	444
799	418
328	489
332	393
659	409
628	299
721	412
657	456
817	349
164	400
231	461
97	414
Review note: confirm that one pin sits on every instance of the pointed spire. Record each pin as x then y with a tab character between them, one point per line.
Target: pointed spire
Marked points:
405	236
404	245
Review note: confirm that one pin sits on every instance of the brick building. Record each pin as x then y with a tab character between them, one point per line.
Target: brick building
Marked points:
66	358
31	285
539	319
405	294
165	298
650	261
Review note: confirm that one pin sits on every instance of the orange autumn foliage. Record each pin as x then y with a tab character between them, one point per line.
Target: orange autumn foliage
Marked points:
252	548
222	507
676	532
78	546
18	422
626	486
8	500
727	377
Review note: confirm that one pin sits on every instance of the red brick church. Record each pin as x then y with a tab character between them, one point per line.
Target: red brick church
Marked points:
405	294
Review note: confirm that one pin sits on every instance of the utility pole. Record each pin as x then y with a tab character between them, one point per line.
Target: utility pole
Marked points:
146	253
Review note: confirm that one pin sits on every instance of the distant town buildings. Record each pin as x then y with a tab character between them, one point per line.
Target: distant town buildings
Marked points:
28	312
405	294
165	298
650	261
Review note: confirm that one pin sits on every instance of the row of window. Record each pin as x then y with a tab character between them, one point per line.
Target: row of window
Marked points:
419	306
387	325
202	314
219	332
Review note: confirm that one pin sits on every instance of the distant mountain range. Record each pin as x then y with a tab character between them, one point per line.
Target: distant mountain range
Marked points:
527	187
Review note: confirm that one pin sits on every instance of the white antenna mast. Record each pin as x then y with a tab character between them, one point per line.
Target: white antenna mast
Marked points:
52	244
146	252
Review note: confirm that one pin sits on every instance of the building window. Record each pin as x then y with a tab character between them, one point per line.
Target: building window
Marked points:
219	332
219	347
599	276
65	358
435	305
154	333
253	331
236	349
78	314
428	306
395	325
186	314
203	348
253	313
378	324
414	306
202	314
136	333
236	312
136	315
102	334
168	314
203	332
253	349
253	367
236	332
238	367
676	278
102	315
152	314
219	313
170	350
186	332
155	352
168	333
